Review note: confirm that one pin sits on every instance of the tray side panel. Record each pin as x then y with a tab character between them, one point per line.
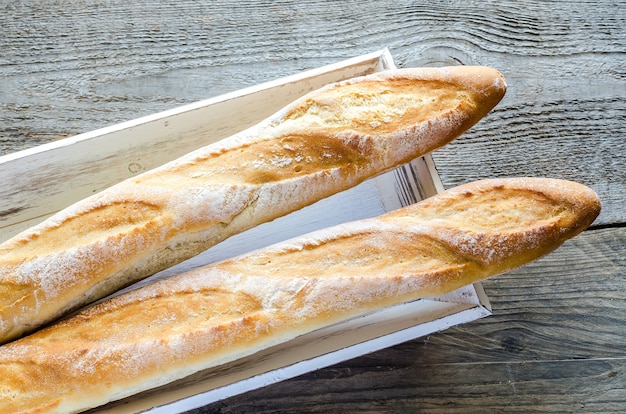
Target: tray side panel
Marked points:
46	179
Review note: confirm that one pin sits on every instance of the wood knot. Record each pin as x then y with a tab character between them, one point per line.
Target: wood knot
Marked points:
512	344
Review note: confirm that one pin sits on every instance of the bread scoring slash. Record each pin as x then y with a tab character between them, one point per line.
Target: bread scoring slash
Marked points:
323	143
173	328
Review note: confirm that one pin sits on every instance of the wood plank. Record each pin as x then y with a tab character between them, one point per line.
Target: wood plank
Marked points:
587	386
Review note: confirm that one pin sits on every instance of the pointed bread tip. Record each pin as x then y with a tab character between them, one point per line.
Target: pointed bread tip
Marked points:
581	202
488	84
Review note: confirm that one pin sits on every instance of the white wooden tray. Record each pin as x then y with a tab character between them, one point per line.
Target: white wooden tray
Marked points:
42	180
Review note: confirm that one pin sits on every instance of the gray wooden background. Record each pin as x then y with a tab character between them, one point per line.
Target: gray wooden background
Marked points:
556	341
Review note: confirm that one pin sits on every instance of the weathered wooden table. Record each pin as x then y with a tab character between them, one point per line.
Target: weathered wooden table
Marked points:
557	339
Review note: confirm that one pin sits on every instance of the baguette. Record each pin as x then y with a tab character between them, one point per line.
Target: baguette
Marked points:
221	312
326	142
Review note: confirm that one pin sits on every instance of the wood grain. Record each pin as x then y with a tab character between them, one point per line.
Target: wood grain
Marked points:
556	340
529	387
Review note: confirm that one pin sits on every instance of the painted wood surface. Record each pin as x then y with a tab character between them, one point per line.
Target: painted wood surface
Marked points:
556	341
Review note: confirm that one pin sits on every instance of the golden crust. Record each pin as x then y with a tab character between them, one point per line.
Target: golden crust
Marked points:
208	316
325	142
